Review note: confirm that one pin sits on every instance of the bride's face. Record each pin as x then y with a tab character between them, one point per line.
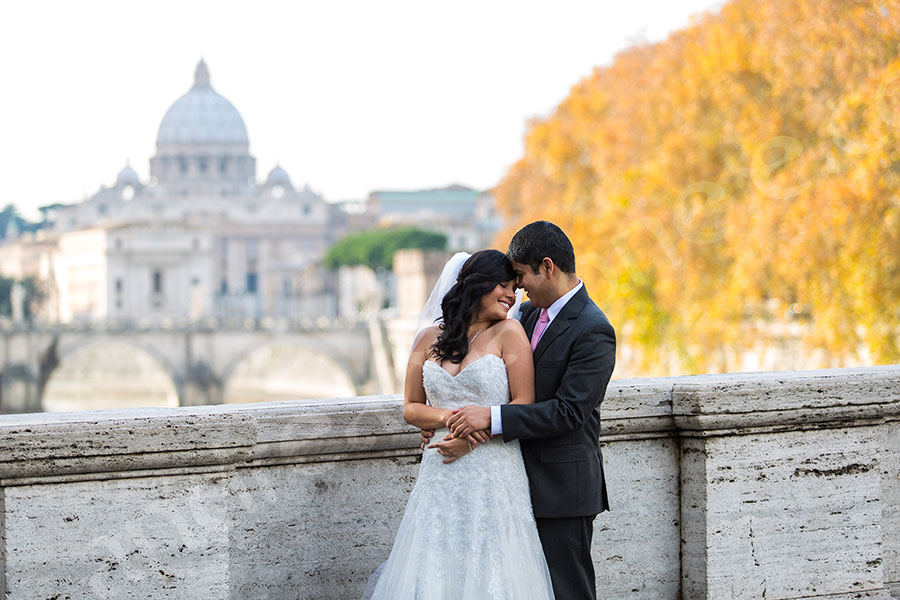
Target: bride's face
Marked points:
495	305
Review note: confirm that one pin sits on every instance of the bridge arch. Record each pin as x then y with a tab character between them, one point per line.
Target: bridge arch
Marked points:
105	372
287	369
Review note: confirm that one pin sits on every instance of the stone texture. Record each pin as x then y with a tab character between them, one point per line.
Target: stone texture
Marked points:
636	543
890	507
57	444
315	530
797	516
3	569
785	400
152	537
775	485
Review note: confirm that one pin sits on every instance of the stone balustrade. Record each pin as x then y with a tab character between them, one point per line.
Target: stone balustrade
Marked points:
757	485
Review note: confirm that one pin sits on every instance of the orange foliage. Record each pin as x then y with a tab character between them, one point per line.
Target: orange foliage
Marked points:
745	169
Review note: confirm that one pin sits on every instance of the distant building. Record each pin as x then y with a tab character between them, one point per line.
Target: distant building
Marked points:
134	271
466	216
201	238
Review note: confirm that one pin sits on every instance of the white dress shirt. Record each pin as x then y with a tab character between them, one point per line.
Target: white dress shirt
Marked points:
555	308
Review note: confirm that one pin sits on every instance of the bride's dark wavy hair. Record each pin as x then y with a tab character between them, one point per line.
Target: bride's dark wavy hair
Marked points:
479	275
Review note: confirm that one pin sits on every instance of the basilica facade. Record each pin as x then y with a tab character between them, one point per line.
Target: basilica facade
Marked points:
201	238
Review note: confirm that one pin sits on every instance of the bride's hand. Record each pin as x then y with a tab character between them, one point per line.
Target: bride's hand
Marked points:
451	448
427	434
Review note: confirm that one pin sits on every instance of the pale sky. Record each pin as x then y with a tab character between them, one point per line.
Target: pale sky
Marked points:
349	96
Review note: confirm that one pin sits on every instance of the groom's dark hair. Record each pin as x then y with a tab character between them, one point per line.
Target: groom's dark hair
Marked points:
542	239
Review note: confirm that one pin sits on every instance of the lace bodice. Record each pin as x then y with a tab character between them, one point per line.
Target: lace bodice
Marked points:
483	382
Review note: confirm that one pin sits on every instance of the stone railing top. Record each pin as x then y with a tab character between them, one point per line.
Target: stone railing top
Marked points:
54	445
748	402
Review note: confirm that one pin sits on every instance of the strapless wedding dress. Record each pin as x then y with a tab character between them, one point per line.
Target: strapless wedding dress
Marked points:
468	532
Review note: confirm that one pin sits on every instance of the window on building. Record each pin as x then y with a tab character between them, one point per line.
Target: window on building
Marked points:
157	282
118	285
251	283
223	287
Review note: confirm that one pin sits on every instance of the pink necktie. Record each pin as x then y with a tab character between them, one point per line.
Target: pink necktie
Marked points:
542	321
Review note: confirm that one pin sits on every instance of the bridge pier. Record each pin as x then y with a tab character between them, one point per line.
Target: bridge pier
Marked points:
200	386
19	389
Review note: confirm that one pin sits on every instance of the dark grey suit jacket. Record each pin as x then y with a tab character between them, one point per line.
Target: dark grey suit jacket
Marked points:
560	432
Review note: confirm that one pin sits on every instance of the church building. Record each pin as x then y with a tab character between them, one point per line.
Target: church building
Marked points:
201	238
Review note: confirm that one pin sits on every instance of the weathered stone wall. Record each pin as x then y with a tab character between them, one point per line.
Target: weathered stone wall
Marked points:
766	485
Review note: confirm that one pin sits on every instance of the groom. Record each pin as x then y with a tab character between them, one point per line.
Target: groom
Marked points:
574	355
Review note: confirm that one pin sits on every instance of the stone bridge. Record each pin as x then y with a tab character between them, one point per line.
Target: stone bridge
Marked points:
199	360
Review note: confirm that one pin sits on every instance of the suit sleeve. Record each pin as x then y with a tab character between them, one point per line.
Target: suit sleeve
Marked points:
581	389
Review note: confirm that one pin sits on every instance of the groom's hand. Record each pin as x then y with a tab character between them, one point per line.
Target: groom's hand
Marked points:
468	419
479	437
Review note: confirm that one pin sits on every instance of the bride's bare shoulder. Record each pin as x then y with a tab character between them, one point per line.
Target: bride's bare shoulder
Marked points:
510	328
426	338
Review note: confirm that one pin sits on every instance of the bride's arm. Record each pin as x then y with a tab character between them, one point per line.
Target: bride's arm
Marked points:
515	350
415	411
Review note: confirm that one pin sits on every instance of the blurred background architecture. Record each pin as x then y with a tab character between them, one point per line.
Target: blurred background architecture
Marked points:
202	238
204	246
729	215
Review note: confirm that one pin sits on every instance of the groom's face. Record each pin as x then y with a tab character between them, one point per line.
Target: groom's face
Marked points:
536	285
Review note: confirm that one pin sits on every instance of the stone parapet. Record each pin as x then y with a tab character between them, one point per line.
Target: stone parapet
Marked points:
753	485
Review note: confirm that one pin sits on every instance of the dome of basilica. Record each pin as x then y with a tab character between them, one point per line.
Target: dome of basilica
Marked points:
278	176
127	176
202	116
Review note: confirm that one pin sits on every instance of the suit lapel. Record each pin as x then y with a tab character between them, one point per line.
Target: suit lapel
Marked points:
530	322
561	323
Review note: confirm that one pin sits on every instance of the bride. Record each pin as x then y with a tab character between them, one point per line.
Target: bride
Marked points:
468	531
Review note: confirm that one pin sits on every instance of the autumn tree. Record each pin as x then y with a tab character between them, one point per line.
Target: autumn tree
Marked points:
738	177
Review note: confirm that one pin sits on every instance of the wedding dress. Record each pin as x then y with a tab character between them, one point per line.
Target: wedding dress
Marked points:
468	532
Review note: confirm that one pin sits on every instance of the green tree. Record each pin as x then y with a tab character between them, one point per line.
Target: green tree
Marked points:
33	295
375	247
9	217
